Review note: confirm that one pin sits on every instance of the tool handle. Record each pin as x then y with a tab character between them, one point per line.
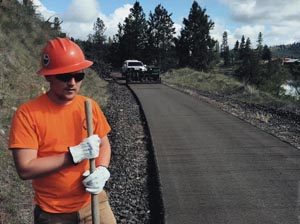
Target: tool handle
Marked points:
89	124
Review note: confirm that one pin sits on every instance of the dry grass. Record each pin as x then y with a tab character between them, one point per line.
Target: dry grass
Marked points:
15	194
216	83
210	82
95	88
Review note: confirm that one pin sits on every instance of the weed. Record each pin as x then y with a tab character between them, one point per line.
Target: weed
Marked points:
263	117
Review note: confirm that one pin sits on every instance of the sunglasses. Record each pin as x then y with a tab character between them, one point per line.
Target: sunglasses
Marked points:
67	77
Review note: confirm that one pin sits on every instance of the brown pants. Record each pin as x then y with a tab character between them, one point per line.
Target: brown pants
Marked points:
83	216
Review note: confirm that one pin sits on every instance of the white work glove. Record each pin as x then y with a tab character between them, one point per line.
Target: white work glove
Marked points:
95	182
87	149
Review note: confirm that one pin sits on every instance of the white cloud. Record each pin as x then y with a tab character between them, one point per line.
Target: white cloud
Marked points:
178	28
278	19
111	21
79	19
249	31
218	31
41	9
82	11
77	30
80	25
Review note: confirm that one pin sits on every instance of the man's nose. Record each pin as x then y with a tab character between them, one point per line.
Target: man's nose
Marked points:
71	81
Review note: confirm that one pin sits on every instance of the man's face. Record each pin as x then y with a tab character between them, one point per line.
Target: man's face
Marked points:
63	88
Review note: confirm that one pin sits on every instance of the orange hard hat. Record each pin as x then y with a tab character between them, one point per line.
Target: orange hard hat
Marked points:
61	55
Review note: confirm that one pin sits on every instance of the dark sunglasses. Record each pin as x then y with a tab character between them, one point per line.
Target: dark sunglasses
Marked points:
67	77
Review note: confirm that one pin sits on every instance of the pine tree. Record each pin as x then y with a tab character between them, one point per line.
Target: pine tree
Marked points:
120	33
249	70
134	39
225	49
195	47
259	46
248	47
56	24
30	7
96	49
160	36
99	29
266	53
236	45
236	50
242	48
57	28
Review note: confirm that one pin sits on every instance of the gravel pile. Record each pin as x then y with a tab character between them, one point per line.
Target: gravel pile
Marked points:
131	162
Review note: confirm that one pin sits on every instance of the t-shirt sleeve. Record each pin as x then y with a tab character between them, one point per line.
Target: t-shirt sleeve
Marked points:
102	126
22	131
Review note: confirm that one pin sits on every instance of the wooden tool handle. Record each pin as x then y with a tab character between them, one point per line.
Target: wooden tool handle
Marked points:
89	124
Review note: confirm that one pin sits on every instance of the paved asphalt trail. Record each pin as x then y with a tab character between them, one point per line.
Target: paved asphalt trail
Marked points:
215	168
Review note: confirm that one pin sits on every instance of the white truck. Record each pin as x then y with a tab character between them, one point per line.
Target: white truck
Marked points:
133	65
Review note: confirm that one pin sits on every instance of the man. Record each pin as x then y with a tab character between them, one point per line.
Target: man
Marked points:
49	142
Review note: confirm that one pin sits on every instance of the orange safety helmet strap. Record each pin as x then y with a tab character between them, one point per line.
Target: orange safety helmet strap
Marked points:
61	55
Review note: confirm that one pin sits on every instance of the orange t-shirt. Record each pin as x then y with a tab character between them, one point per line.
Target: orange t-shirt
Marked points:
51	129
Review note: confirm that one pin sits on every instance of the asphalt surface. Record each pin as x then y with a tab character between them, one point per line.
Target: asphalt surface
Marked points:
216	168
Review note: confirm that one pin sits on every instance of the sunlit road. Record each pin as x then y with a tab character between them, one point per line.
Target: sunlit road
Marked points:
215	168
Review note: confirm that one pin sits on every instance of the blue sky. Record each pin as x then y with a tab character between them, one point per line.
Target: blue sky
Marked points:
278	20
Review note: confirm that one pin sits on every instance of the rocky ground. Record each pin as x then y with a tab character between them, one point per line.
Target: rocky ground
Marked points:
133	192
129	185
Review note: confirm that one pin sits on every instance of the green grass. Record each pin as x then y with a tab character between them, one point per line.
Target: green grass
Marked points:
210	82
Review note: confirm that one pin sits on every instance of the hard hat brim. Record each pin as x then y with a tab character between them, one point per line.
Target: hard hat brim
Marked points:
73	68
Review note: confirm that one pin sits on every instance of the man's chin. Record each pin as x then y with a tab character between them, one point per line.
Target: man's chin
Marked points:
68	97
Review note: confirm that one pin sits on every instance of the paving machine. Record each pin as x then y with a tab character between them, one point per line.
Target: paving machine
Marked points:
152	75
135	71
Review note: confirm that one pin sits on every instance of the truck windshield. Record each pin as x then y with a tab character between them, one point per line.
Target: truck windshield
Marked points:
135	64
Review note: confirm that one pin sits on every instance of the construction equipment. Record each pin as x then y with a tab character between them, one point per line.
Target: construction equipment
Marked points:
153	74
136	72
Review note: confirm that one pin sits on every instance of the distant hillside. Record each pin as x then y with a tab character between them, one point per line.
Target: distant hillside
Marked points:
290	50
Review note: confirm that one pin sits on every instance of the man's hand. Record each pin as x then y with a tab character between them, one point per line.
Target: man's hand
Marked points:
95	182
87	149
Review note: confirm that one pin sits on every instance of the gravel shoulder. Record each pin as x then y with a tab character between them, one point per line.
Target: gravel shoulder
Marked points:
127	186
